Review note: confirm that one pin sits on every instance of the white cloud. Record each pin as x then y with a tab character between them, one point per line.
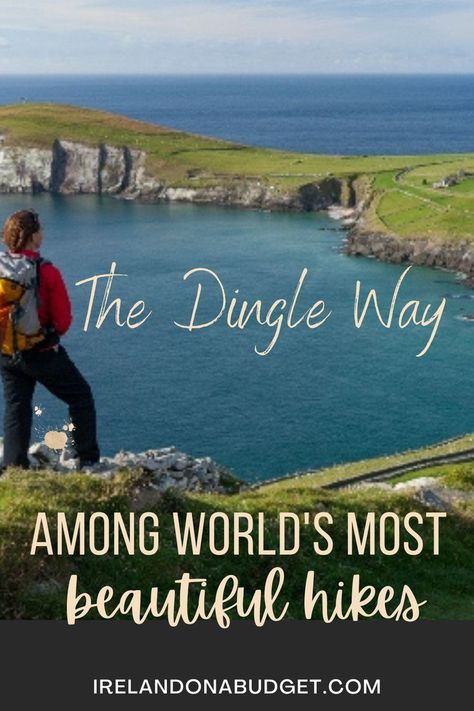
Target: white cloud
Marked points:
202	20
241	35
4	43
454	28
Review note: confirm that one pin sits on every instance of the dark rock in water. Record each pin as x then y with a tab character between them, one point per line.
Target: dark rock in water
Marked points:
454	257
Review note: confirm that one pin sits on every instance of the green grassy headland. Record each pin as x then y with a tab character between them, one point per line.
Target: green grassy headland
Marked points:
404	201
35	586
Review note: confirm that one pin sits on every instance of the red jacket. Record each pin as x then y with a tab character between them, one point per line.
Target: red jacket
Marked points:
54	309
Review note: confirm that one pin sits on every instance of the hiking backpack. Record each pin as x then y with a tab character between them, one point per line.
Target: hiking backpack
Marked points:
20	327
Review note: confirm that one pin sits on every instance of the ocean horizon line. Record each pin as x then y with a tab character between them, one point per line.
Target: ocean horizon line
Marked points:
207	75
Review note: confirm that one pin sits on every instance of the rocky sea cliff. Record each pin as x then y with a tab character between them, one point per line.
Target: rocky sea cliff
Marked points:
455	257
70	168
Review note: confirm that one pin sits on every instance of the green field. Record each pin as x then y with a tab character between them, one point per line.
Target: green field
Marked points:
34	587
403	199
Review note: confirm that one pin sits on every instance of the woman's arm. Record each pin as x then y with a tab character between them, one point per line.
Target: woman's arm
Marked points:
55	306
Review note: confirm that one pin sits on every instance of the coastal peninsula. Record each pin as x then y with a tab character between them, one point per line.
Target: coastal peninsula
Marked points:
415	209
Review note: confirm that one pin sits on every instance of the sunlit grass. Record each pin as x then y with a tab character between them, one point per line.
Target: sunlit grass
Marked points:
35	586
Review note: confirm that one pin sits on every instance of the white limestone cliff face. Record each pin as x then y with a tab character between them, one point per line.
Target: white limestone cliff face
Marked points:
112	169
74	168
138	183
70	168
24	170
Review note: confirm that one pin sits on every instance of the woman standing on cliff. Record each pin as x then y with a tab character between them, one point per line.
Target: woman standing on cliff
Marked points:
40	358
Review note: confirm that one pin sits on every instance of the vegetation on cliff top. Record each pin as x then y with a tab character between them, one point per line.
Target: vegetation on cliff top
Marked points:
404	199
35	586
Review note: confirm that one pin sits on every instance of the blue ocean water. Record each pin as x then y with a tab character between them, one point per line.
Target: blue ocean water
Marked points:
324	114
320	396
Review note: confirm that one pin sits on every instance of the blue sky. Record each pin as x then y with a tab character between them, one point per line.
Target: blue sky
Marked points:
220	36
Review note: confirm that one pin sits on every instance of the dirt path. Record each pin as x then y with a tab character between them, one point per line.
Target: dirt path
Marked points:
466	455
387	473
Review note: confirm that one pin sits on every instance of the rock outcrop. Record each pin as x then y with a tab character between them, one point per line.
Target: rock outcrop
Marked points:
159	469
456	256
24	170
70	168
430	492
73	168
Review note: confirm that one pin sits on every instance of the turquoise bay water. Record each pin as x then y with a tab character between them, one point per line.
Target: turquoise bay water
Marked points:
321	396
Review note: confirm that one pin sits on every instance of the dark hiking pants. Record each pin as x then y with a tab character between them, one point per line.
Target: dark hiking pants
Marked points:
55	370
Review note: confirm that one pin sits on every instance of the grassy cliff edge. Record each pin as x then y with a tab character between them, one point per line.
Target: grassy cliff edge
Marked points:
427	197
34	587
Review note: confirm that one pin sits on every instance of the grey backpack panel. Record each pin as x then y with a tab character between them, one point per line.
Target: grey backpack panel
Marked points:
23	270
